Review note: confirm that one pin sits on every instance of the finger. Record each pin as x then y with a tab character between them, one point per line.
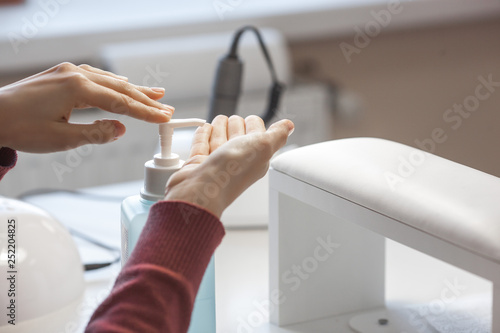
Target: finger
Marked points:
159	92
235	127
76	135
279	132
155	93
194	161
254	124
142	94
109	100
89	68
219	132
201	138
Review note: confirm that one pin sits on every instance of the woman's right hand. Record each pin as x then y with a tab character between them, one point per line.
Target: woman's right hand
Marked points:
35	112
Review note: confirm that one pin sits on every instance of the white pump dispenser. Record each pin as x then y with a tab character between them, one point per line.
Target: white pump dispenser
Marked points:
158	170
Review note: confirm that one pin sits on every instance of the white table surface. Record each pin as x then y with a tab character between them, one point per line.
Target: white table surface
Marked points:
242	265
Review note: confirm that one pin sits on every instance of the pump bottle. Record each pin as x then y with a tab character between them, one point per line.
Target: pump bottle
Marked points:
135	210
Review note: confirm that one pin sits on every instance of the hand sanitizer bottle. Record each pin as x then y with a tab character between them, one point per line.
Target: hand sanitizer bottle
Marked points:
135	210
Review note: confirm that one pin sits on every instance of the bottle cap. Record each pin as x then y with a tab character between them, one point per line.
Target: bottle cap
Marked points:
158	170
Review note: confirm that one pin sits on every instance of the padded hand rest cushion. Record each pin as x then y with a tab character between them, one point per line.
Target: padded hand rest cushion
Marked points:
448	200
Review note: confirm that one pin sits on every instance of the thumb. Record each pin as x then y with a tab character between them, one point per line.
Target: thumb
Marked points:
279	133
99	132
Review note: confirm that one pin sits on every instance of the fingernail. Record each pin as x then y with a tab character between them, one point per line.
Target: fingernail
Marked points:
158	89
118	131
168	113
291	131
170	107
123	77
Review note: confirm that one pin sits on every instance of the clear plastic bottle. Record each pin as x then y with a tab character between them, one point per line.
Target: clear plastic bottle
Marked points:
135	211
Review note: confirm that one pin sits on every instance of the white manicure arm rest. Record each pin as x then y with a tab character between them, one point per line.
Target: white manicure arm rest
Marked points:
434	205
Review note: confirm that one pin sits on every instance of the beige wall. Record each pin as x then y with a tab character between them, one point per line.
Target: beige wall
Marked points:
408	79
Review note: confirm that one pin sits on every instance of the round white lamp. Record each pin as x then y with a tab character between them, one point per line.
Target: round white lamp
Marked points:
41	274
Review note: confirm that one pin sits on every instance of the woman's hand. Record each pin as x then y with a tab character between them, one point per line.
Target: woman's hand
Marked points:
226	158
35	112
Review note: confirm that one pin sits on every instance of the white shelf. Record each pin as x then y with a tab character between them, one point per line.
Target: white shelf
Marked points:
75	31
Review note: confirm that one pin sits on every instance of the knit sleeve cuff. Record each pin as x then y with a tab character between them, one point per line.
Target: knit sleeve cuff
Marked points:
179	236
8	159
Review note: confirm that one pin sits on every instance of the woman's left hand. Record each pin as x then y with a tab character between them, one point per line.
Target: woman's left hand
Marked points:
226	158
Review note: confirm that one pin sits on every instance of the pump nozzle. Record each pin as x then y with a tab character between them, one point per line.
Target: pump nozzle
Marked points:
167	132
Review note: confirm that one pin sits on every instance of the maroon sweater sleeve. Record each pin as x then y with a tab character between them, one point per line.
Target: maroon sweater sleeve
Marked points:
8	158
155	290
